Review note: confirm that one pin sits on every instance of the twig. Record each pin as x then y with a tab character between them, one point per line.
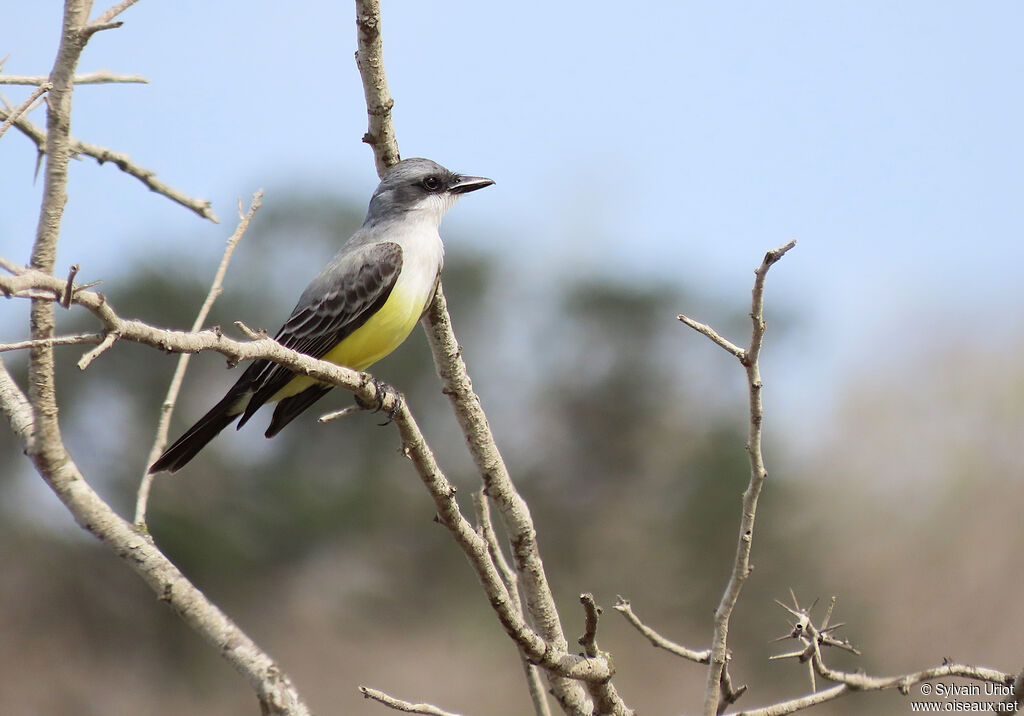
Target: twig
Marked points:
593	612
337	414
108	340
403	706
69	288
380	134
98	77
121	161
22	108
623	607
606	699
851	683
710	332
171	399
741	563
114	11
77	339
86	31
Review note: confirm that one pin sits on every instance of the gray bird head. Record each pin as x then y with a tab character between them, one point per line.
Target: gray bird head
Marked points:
420	186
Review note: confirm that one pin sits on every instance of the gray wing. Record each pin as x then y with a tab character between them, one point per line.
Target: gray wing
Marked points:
340	300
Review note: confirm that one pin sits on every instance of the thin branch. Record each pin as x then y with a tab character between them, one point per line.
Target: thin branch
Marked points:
105	345
741	563
171	399
606	698
114	11
710	332
69	287
538	694
851	683
123	162
403	706
74	340
512	509
333	415
99	77
87	31
22	108
804	702
593	612
623	607
380	134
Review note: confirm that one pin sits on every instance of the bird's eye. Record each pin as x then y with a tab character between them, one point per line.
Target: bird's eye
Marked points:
431	183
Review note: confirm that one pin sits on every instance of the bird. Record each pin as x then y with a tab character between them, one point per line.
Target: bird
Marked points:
362	306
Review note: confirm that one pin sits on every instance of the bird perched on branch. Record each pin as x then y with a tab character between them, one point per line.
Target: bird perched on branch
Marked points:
361	307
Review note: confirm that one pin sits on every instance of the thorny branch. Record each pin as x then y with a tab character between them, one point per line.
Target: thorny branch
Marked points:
25	106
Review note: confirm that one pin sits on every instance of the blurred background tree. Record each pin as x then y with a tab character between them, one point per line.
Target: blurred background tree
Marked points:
627	438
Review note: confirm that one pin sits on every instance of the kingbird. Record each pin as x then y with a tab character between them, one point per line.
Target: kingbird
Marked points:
361	307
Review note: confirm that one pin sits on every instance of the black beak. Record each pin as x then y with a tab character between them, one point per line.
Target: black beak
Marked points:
464	184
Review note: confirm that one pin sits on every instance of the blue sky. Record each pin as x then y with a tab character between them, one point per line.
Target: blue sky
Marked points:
687	138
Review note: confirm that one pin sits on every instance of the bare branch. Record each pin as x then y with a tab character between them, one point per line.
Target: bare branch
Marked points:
403	706
710	332
741	563
24	107
623	607
804	702
99	77
77	339
87	31
593	612
813	638
538	694
121	161
333	415
65	300
512	509
114	11
369	59
171	399
105	345
16	408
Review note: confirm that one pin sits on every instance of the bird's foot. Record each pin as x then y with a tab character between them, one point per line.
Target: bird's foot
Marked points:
383	391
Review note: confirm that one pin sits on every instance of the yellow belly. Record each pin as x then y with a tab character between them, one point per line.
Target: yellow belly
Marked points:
381	334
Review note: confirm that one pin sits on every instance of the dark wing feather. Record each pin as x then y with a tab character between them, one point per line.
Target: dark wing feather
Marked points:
337	303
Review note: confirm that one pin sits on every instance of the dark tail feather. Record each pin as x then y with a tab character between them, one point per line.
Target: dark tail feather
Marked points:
195	438
289	408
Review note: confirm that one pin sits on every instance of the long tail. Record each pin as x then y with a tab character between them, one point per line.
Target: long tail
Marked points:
195	438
